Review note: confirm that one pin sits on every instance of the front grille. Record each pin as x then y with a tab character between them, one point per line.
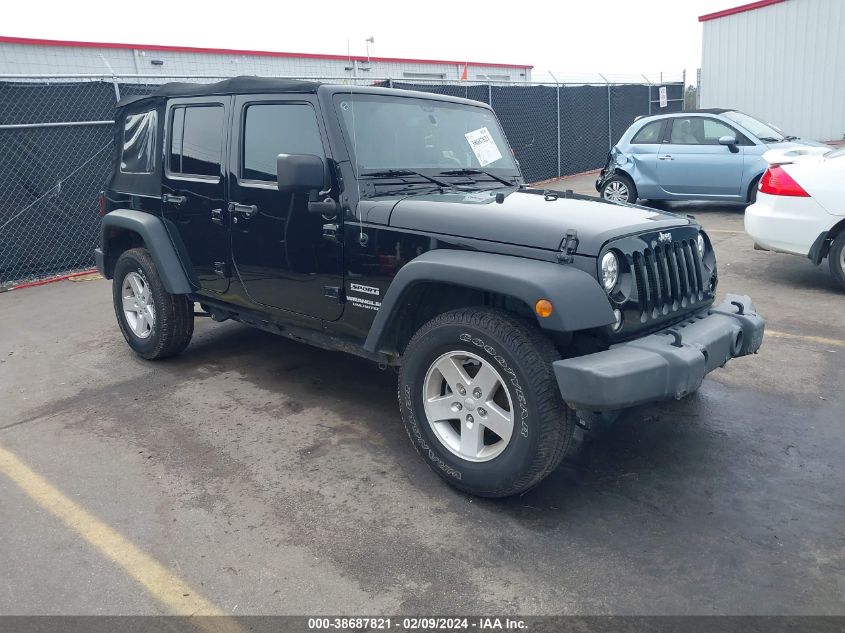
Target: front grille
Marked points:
667	278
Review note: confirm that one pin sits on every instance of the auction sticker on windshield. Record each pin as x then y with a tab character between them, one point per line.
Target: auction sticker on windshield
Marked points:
483	146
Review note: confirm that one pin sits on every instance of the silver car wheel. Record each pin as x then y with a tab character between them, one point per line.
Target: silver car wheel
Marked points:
616	191
468	407
842	260
138	308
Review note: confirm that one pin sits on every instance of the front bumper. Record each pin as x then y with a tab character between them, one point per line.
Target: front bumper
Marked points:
668	364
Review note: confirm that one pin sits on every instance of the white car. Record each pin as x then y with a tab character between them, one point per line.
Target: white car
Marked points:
800	206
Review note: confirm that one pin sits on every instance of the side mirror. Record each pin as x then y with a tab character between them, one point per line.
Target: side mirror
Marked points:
300	172
730	141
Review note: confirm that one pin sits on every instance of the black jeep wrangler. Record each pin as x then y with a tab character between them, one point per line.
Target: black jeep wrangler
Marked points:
397	226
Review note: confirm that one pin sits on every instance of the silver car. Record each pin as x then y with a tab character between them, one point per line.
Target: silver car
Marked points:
695	155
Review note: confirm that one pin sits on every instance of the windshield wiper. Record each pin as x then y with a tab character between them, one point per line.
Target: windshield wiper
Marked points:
790	138
473	172
399	173
770	139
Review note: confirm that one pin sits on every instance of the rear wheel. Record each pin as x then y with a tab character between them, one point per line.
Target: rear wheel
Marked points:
155	323
619	188
836	259
481	404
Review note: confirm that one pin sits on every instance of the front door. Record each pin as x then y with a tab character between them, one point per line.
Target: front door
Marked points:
692	162
194	187
284	256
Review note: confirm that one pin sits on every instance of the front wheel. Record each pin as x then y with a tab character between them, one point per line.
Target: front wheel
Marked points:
836	259
481	404
619	188
155	323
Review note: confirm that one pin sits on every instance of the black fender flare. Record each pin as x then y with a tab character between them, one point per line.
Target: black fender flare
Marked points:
157	241
579	302
821	245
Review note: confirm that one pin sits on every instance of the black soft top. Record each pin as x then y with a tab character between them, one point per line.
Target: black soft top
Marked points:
235	85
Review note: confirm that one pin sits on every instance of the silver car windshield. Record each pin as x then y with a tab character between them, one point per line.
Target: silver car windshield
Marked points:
395	133
762	131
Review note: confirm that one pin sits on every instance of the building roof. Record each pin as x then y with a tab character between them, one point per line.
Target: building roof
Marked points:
751	6
233	51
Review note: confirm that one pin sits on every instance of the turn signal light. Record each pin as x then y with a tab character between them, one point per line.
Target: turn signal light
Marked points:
776	182
543	308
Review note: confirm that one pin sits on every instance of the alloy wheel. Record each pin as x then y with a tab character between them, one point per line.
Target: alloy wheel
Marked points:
616	191
138	308
468	407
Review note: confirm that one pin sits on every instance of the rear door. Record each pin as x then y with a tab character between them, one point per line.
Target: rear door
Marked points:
194	188
285	257
692	163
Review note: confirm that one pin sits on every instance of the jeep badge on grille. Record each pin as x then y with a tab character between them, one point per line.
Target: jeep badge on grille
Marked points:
664	237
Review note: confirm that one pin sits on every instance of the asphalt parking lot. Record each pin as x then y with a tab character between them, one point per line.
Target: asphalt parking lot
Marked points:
269	477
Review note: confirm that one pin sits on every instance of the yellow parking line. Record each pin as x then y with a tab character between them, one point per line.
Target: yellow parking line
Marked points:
173	592
835	342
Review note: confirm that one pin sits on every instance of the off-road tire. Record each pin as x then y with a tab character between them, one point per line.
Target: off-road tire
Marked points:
836	259
173	325
543	424
627	182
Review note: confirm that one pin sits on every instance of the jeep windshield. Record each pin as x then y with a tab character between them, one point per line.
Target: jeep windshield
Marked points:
390	136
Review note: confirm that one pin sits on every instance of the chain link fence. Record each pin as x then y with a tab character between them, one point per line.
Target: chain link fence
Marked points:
56	137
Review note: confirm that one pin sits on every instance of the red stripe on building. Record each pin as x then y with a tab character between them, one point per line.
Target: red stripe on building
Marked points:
751	6
234	51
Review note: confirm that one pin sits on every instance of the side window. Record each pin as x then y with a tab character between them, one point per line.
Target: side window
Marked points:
139	143
196	140
714	130
649	133
700	131
273	129
687	131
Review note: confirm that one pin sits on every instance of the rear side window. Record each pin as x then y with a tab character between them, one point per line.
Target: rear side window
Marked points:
196	140
273	129
650	133
139	143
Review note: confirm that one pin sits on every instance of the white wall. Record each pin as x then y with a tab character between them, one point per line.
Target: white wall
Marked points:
784	63
44	59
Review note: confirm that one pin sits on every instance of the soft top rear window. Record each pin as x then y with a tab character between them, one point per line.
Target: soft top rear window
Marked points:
139	142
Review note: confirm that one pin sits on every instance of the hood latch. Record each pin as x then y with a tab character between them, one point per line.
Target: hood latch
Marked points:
568	246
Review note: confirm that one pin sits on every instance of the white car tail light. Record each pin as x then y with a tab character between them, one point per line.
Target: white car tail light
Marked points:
776	182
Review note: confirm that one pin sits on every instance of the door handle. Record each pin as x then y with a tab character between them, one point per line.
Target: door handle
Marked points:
171	199
665	158
246	210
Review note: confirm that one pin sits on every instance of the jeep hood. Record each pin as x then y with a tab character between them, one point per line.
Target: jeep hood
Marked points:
527	218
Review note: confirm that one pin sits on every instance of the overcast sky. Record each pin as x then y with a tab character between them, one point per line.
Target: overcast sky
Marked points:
565	36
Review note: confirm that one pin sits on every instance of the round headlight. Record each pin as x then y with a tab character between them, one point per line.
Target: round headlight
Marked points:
701	244
609	271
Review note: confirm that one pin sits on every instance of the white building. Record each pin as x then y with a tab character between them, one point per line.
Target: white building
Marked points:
782	61
24	56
